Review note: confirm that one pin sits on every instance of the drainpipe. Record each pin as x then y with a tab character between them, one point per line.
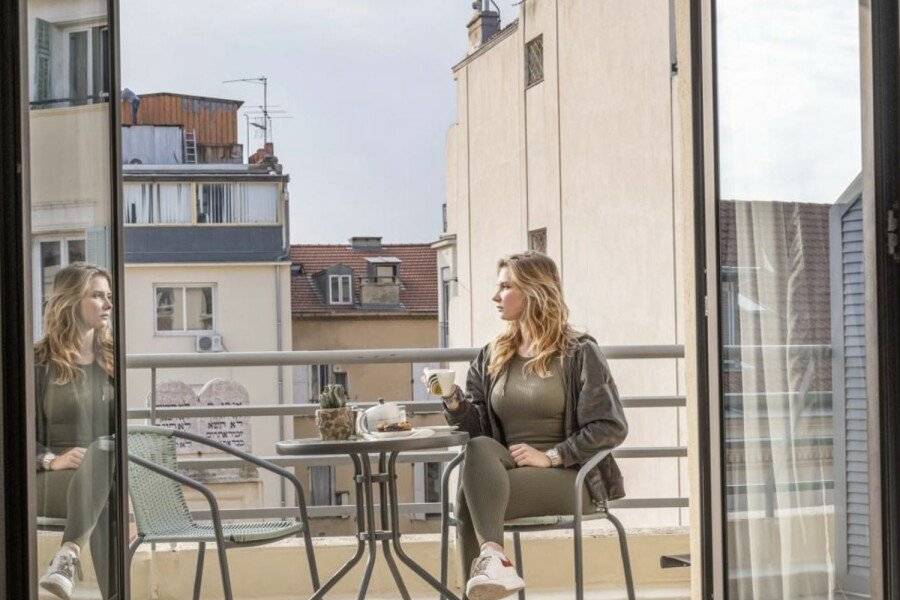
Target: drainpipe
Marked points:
279	343
279	337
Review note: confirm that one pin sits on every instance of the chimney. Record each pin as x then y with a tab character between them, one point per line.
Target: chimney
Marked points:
483	25
365	243
260	155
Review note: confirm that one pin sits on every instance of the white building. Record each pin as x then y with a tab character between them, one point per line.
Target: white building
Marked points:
565	142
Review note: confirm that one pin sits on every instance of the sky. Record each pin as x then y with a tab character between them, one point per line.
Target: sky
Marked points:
367	84
789	99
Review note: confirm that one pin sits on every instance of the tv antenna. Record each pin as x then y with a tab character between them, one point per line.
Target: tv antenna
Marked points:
263	81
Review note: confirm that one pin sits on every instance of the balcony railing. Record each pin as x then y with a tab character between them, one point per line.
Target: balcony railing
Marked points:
153	412
65	102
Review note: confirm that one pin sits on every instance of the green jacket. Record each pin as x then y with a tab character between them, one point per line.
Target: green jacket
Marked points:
594	418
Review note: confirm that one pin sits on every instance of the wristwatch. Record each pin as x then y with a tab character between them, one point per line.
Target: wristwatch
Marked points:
553	455
46	459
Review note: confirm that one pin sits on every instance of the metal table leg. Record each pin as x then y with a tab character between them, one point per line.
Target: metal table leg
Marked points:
388	525
360	525
395	533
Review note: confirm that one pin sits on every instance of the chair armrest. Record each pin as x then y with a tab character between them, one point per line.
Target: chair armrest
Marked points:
264	464
185	480
582	474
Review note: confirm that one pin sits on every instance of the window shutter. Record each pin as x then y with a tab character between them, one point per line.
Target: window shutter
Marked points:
850	404
42	60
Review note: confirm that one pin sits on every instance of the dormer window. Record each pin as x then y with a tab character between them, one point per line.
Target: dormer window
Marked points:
340	289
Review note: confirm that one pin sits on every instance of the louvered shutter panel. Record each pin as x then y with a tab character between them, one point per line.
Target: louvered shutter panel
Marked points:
851	456
42	60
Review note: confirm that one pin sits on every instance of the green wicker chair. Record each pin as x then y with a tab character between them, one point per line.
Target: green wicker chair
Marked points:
543	523
162	515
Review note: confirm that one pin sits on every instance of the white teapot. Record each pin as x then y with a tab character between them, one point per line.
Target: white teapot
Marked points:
383	413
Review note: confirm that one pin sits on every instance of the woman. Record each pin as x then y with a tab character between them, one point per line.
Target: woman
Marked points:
539	402
75	417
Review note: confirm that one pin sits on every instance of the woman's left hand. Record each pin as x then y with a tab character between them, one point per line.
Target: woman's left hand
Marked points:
526	456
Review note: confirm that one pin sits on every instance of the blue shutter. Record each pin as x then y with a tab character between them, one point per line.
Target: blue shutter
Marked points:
851	455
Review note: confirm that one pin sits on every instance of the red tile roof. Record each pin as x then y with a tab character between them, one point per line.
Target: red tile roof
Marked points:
418	279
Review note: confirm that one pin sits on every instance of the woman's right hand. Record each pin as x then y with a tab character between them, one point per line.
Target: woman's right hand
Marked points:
70	459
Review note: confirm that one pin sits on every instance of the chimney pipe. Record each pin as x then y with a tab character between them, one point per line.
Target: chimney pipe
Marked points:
483	25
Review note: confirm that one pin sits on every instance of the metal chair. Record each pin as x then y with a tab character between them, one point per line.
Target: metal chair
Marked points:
544	523
162	515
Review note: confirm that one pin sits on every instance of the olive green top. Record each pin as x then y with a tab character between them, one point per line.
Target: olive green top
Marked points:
531	408
74	413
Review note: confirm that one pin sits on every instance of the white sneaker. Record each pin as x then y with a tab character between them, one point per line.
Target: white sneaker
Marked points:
60	576
492	577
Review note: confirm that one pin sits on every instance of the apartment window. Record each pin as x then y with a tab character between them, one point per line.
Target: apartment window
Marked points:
49	256
537	240
340	289
322	375
534	61
237	203
88	72
321	486
165	203
187	308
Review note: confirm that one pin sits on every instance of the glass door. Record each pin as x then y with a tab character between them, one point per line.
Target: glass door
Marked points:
793	349
78	531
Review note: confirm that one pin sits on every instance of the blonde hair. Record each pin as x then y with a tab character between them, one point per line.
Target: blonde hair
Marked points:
545	317
58	350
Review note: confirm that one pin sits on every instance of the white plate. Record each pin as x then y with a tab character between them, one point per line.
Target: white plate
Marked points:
443	428
418	432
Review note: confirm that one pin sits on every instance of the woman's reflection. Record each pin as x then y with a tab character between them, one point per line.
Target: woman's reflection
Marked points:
75	420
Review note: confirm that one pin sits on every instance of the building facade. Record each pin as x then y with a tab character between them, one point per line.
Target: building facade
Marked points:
551	152
206	269
364	294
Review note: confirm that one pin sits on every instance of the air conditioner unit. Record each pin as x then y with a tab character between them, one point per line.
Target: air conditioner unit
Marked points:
208	342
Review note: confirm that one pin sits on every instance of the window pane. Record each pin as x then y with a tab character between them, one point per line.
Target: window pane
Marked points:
255	203
51	261
199	309
335	289
70	169
792	300
211	203
345	289
168	315
78	75
76	251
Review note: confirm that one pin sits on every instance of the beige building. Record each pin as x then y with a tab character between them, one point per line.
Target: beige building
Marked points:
364	294
206	270
550	151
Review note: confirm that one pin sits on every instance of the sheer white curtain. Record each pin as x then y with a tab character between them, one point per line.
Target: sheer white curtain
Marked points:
256	203
157	202
173	203
782	538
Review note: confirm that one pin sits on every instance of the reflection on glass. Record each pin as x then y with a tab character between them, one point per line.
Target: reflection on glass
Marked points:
792	299
76	407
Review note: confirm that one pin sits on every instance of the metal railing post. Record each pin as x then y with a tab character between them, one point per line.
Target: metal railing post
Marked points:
153	395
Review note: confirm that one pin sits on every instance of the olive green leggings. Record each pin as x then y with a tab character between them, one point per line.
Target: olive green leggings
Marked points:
82	497
493	489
